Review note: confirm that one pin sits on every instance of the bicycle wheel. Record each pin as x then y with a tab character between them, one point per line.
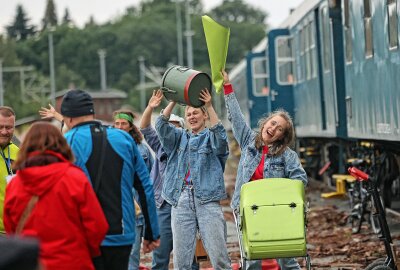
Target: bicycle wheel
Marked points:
382	267
356	218
374	219
377	262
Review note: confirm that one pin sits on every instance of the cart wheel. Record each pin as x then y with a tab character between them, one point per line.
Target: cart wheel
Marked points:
377	262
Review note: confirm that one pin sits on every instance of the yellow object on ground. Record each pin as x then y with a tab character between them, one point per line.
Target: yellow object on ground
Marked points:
341	180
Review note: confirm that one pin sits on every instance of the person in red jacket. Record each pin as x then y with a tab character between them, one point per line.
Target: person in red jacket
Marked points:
52	200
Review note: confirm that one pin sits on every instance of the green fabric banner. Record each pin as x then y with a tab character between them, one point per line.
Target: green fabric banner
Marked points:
217	38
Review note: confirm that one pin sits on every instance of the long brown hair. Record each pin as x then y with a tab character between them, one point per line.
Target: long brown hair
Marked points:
135	132
279	146
41	137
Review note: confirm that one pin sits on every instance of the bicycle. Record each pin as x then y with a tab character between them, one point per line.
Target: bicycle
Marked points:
389	263
361	204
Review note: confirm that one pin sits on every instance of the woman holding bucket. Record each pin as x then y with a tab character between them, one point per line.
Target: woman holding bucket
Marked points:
265	154
194	182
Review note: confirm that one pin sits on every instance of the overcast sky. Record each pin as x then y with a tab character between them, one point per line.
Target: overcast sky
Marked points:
104	10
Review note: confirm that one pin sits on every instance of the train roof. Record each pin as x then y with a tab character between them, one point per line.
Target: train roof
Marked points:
289	22
238	68
299	13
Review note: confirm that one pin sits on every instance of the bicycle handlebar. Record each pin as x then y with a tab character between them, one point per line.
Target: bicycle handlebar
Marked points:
360	175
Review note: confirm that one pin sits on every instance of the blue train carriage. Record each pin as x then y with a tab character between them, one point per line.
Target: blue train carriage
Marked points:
332	65
372	68
303	78
343	65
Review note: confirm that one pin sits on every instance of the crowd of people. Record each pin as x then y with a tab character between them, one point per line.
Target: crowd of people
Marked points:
92	197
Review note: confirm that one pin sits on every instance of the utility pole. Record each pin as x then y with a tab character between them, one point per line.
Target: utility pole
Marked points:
142	83
52	73
1	83
179	31
103	76
189	33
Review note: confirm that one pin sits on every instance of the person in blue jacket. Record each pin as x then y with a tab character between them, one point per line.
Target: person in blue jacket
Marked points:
194	182
161	254
113	164
123	119
264	154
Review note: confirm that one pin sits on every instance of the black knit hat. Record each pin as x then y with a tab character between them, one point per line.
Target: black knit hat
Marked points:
77	103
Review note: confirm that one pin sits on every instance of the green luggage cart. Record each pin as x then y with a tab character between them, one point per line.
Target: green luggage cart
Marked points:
271	222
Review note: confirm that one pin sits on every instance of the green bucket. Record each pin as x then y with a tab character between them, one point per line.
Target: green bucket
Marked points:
184	85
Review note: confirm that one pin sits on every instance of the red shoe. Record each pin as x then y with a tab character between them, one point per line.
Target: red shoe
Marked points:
270	264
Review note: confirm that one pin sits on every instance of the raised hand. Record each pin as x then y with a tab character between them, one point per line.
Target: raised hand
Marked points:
47	113
156	99
205	96
225	76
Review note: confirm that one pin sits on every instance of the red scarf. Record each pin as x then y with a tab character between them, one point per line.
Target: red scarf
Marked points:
259	173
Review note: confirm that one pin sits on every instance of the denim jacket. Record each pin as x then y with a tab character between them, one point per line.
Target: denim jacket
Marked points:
286	165
204	154
160	162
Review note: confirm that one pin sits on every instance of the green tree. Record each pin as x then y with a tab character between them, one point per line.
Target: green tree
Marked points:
66	18
50	16
20	29
237	11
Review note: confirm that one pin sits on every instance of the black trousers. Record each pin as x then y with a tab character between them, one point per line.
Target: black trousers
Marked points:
113	258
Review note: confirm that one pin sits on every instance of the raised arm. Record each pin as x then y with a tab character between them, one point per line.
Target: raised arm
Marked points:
205	96
241	131
168	110
154	102
50	113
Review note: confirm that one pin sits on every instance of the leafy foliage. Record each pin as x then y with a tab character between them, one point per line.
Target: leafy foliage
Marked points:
50	15
149	31
20	30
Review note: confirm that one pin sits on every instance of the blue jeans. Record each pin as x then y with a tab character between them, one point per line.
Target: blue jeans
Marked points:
284	263
162	253
190	215
134	258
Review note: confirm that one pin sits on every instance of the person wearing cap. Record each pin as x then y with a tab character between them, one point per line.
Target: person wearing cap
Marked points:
123	119
8	152
194	181
112	179
161	255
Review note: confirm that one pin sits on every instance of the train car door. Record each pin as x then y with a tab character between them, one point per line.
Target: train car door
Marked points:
257	86
280	70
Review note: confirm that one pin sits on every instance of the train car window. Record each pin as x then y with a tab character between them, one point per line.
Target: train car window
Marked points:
392	23
307	51
313	51
347	32
284	60
326	39
302	55
369	45
260	76
295	42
